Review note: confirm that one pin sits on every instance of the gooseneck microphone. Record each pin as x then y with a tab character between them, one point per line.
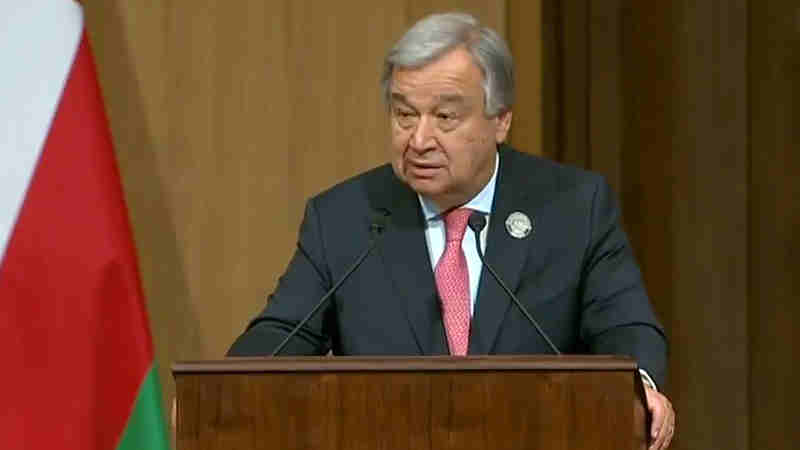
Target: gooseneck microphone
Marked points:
376	228
477	222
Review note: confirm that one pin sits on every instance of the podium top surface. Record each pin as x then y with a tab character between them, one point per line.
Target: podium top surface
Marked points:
407	363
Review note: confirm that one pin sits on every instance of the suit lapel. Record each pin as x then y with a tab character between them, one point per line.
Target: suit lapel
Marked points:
405	254
506	254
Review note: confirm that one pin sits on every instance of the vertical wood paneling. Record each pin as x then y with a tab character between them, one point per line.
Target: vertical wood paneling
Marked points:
552	78
337	120
667	83
224	162
604	103
525	40
574	91
553	82
647	139
226	117
709	223
491	13
582	85
774	311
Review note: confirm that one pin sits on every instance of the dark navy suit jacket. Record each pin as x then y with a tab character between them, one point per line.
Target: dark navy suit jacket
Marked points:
575	272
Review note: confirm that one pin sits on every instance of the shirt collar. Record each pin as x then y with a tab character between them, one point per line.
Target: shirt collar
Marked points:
482	202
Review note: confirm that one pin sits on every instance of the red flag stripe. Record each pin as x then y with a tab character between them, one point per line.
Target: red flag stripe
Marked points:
72	317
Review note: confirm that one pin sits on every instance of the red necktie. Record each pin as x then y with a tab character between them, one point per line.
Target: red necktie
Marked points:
452	282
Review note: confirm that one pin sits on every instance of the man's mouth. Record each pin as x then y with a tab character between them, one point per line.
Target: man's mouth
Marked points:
423	169
423	164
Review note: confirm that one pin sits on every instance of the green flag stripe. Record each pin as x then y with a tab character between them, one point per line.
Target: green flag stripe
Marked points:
146	428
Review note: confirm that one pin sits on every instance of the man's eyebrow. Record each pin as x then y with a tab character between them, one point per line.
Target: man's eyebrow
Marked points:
444	98
399	97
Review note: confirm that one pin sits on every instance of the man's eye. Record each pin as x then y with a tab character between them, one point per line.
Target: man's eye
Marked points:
405	118
446	116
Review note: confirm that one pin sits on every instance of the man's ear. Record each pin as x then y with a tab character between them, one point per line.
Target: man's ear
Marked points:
502	125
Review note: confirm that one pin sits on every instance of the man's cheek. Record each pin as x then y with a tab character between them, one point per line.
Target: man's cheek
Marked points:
477	139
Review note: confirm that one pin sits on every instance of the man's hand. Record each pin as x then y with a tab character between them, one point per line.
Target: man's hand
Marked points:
662	427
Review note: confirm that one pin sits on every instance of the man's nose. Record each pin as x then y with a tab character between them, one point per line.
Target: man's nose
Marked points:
423	137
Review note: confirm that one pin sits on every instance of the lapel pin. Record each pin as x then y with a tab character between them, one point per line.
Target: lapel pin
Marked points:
519	225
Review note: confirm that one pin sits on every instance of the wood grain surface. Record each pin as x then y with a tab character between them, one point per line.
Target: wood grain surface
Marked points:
339	403
691	114
226	118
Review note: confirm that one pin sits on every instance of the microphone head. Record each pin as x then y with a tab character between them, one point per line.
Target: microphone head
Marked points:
477	222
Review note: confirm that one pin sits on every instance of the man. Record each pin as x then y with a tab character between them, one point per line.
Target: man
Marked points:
553	235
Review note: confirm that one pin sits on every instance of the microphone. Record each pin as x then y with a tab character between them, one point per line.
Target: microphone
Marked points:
477	222
377	227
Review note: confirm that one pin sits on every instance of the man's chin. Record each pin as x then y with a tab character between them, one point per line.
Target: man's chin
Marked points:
425	187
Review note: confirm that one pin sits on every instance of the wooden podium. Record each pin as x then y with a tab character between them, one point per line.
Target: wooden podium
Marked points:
393	403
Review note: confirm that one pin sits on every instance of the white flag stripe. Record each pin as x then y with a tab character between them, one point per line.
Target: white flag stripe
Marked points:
38	41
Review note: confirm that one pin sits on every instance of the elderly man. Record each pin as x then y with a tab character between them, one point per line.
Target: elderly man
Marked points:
553	234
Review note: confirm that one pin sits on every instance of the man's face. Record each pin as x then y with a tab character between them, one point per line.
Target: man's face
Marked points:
443	146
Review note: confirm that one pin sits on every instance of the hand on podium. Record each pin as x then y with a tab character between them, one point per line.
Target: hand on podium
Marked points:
662	426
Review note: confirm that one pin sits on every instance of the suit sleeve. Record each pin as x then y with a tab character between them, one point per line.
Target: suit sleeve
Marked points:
617	317
299	289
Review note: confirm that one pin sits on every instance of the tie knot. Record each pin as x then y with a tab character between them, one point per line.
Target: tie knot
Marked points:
456	224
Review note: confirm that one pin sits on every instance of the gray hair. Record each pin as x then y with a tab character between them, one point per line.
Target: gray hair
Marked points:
437	34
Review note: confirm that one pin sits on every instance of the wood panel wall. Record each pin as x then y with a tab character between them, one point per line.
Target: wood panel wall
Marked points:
690	109
773	312
226	117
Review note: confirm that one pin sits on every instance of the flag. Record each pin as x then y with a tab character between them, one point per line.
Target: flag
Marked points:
77	368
